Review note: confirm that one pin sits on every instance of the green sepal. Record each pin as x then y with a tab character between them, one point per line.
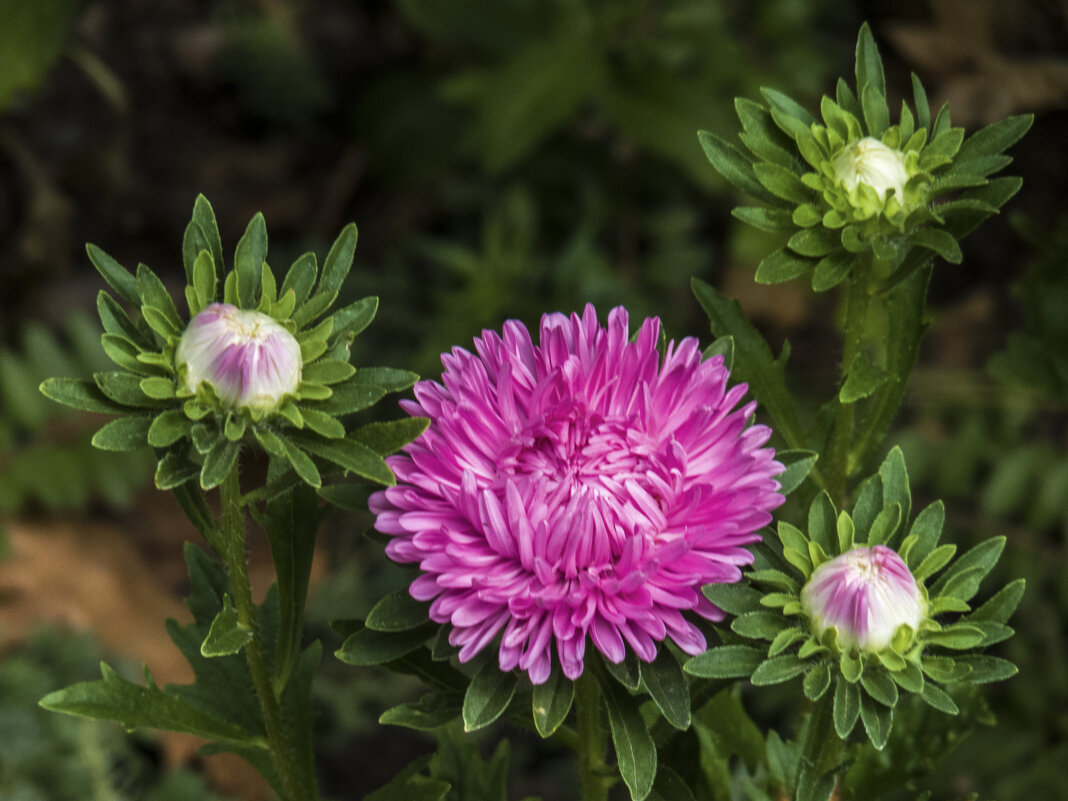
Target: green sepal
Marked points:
776	578
432	710
398	611
726	662
909	677
636	756
134	706
81	394
926	529
817	682
369	647
226	635
666	684
234	427
123	434
878	684
487	696
158	387
851	667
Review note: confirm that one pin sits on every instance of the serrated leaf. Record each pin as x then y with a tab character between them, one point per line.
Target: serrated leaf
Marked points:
487	696
135	706
666	684
726	662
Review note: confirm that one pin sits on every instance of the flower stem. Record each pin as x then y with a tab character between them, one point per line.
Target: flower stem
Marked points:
282	755
592	739
856	309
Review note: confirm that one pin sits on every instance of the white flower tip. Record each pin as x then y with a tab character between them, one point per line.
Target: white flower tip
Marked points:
868	161
248	358
866	595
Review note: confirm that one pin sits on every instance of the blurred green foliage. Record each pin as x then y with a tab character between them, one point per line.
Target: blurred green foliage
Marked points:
31	40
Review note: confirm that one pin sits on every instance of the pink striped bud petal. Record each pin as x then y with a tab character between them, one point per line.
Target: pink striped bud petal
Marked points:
866	594
248	358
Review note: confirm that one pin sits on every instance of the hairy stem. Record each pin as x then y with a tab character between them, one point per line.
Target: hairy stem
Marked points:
592	739
282	755
856	309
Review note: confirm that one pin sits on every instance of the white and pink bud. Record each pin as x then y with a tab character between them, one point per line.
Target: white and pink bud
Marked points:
866	594
248	358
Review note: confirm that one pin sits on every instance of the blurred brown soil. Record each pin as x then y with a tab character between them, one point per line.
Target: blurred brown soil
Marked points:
120	583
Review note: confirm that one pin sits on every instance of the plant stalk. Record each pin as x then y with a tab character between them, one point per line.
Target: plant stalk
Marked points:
592	739
282	755
857	299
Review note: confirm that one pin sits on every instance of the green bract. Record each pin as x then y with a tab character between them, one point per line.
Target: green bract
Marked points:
866	685
193	433
800	166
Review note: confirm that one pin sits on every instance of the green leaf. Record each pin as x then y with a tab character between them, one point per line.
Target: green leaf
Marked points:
300	278
799	464
934	561
218	462
817	682
846	707
389	437
369	647
398	611
726	662
227	635
735	599
759	625
82	394
669	786
983	556
301	462
488	696
822	523
117	276
778	669
732	164
814	787
125	388
328	371
410	785
167	428
351	397
781	266
434	709
115	321
1000	607
775	220
941	242
174	470
927	528
323	424
626	671
204	218
634	747
724	346
754	363
869	66
123	434
832	269
154	295
884	526
552	701
248	261
666	684
959	637
339	262
134	706
986	669
945	669
877	720
862	380
204	279
782	183
939	699
350	455
761	136
876	111
388	378
879	686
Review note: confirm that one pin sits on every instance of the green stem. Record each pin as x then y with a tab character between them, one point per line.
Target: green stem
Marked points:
592	739
821	746
282	755
856	309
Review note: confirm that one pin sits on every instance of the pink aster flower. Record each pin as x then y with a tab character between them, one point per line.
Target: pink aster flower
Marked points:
866	594
578	486
248	358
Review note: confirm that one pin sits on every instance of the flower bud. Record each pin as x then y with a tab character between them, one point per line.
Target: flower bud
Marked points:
248	358
866	594
868	161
